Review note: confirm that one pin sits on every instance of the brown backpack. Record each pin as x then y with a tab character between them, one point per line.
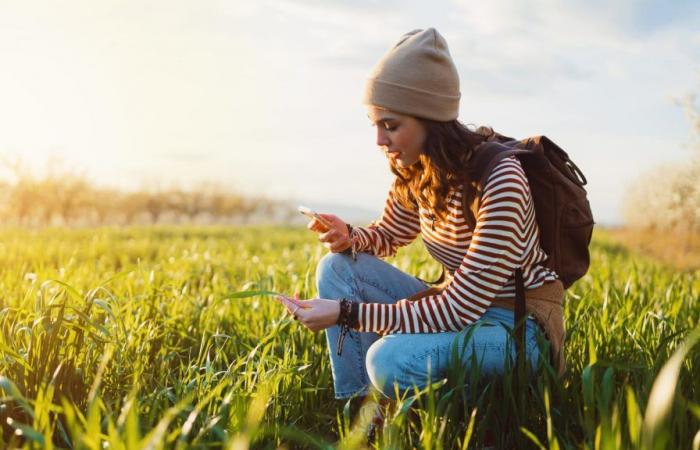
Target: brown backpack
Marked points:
562	210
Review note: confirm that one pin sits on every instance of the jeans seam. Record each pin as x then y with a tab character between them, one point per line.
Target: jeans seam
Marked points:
354	290
403	382
427	353
360	356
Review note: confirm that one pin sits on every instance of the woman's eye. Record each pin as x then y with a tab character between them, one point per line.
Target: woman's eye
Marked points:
386	127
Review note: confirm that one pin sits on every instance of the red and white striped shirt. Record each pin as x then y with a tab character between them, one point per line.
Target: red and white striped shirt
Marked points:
481	261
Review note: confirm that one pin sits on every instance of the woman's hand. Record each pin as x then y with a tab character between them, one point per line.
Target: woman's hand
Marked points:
336	237
316	314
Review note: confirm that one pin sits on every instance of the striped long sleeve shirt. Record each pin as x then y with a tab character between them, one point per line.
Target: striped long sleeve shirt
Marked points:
481	261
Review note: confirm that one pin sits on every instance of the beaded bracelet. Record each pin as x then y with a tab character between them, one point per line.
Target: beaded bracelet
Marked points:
347	318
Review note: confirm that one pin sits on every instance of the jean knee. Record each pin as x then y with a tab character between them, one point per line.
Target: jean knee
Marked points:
328	268
382	367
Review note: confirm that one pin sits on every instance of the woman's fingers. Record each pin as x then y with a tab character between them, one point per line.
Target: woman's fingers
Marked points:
331	231
298	311
289	306
304	311
331	219
313	225
287	302
294	302
310	313
329	236
301	303
317	226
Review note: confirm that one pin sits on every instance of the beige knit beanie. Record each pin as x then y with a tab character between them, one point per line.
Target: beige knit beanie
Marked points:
416	77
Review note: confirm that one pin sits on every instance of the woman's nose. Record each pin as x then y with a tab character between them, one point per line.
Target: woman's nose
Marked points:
382	138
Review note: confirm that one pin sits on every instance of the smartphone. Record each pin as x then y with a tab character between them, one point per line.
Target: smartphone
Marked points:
311	214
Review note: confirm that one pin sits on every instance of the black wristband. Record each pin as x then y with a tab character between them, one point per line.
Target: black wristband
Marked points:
345	321
349	314
344	312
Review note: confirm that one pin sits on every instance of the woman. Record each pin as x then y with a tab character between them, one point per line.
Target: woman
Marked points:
413	100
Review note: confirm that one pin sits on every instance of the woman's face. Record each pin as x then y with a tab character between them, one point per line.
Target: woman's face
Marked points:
400	137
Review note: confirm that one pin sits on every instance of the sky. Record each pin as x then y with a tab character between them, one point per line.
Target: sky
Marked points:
264	97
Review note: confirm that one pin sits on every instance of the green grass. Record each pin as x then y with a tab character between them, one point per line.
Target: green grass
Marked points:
137	338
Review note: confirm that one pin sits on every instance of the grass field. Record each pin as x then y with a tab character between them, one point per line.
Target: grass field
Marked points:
140	338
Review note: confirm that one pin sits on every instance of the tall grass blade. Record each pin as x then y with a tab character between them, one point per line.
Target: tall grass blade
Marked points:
656	433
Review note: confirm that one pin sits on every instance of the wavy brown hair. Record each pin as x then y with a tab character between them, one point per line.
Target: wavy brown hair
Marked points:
442	165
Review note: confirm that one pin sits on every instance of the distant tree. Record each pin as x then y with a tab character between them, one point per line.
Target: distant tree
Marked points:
104	204
668	197
131	205
72	196
156	204
193	203
218	201
23	200
692	110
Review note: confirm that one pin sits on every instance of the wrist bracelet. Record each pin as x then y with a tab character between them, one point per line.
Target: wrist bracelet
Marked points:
350	250
345	307
347	318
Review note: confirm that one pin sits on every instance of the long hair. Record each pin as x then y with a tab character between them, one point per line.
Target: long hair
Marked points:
442	165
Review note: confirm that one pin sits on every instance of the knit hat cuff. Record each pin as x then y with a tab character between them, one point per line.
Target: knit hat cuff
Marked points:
411	101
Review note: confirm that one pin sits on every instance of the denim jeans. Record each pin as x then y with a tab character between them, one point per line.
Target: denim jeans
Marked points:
406	359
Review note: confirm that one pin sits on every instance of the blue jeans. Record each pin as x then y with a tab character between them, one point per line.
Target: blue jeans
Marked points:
407	360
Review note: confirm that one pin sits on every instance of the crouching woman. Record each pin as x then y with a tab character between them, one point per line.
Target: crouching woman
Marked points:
394	332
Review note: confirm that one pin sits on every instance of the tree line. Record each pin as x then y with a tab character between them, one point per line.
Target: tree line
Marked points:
64	198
